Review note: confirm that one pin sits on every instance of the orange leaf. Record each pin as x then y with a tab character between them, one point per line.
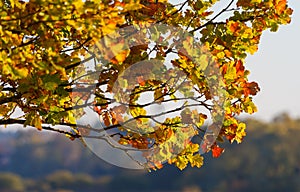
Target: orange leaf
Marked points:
141	80
234	26
158	165
207	13
114	118
97	110
239	68
106	118
280	6
228	53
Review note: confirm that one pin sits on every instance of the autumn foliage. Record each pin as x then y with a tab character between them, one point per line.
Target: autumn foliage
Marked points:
43	80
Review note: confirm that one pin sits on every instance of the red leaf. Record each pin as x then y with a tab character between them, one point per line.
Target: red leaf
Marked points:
251	88
216	151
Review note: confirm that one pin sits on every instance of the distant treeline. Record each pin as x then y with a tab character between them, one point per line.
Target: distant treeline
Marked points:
267	160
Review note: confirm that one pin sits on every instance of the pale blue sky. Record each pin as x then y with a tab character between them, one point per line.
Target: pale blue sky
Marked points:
276	68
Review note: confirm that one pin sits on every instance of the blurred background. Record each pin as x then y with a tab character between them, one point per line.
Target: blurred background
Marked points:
267	160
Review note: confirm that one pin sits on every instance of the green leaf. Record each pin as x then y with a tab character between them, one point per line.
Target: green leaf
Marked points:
33	119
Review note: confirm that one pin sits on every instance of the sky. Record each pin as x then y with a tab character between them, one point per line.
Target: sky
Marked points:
277	70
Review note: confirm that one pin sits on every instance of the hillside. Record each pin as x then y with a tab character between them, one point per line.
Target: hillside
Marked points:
267	160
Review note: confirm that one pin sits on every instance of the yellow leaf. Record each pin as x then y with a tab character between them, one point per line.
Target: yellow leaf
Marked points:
138	111
123	141
230	73
181	162
240	132
109	28
120	57
221	55
71	118
252	49
197	161
37	122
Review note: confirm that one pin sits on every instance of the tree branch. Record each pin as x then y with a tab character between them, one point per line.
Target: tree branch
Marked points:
211	20
9	99
49	128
